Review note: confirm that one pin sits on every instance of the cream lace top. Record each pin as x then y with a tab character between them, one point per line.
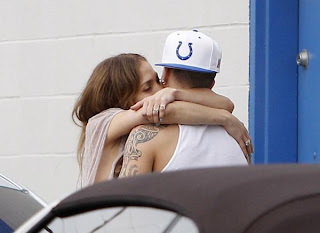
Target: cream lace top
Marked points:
96	134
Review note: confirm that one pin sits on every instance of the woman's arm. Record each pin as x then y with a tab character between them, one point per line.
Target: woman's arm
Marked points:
177	112
206	97
180	112
125	121
203	96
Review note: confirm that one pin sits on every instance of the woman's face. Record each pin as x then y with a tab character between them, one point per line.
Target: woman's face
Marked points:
149	81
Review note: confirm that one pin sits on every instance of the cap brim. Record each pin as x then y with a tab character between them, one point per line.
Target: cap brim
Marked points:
184	67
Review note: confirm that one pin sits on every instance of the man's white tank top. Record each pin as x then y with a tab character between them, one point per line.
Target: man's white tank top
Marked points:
205	146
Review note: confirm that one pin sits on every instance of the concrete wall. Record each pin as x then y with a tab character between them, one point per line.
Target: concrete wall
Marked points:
48	49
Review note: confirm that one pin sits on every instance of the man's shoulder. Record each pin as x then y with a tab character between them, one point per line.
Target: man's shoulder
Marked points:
152	128
145	133
152	134
214	128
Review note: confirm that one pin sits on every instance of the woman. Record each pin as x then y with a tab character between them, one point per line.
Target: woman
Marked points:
106	119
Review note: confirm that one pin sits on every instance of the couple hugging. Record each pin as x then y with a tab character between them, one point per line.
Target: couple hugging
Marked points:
135	123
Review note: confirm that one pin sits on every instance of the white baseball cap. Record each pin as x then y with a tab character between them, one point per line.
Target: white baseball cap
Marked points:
191	50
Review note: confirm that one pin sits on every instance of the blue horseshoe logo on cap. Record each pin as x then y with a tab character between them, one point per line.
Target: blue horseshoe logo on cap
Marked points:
182	57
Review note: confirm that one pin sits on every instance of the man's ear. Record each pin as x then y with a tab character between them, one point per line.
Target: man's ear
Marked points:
165	75
212	84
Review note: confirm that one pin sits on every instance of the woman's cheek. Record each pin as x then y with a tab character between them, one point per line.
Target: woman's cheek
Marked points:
157	88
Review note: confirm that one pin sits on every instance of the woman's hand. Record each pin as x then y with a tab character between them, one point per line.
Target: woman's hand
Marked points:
153	107
239	132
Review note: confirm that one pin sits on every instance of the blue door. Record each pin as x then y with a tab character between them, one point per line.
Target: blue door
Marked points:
309	82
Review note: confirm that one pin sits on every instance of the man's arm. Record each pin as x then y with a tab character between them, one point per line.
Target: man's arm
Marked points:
139	152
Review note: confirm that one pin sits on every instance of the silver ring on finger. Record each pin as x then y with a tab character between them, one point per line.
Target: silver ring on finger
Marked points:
248	142
162	106
156	110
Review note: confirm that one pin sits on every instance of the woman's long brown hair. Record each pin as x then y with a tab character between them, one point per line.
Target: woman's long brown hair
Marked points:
114	83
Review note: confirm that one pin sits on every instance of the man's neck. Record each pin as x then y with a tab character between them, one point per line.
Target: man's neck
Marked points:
175	84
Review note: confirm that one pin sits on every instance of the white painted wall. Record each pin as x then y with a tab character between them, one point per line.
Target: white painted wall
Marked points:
48	49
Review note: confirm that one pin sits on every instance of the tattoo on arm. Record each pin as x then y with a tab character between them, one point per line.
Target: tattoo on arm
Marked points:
143	134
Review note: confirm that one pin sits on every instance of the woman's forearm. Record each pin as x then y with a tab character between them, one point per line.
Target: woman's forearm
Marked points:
196	106
178	112
206	97
181	112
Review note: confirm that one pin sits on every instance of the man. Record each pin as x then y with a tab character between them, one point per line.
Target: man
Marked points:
191	60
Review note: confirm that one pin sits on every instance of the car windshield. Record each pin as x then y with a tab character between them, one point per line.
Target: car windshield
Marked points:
124	219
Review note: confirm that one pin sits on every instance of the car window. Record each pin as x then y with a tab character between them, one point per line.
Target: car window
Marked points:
123	220
6	183
16	207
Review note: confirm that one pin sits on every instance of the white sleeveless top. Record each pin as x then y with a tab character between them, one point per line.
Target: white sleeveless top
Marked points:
205	146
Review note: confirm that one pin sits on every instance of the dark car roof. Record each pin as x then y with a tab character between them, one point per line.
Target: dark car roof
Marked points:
228	200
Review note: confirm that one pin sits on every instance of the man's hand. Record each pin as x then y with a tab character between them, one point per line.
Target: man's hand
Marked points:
239	132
